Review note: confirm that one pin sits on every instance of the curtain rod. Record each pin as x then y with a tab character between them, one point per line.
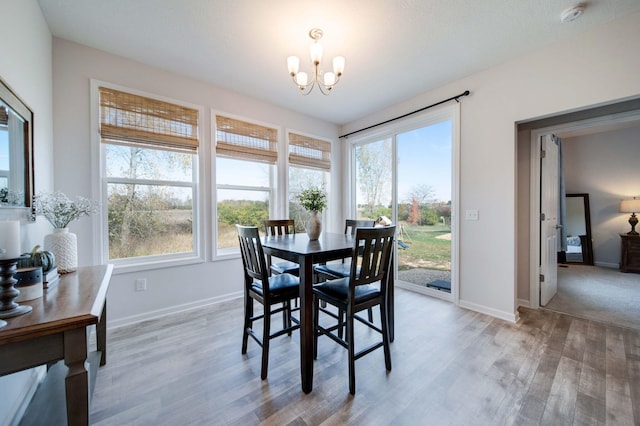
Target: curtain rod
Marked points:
465	93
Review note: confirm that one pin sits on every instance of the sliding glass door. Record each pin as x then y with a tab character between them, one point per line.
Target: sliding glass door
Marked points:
408	175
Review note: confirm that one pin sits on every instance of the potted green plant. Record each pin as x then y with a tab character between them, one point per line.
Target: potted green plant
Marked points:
313	200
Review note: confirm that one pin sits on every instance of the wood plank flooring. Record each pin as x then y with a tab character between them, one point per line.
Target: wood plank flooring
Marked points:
450	367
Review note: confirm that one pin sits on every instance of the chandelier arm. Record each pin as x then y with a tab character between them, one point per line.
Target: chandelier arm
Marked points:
308	88
324	89
316	78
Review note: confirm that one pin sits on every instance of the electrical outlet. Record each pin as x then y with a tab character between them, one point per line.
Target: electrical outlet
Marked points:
141	284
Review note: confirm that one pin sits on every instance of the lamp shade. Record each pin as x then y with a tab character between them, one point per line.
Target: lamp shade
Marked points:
630	206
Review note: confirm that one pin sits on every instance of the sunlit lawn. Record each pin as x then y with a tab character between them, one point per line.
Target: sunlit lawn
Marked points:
425	250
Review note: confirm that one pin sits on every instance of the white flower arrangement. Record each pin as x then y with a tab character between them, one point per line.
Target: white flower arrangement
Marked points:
60	211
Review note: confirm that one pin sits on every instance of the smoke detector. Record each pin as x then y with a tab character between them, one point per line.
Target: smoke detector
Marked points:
572	13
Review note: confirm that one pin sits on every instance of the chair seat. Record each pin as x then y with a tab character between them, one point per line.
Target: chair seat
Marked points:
337	290
286	267
279	284
335	270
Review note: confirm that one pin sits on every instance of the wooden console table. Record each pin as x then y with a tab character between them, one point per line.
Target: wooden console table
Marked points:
630	253
56	329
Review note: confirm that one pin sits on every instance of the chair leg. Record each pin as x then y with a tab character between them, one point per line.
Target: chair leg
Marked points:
370	311
351	350
286	315
340	323
385	335
316	316
248	313
265	342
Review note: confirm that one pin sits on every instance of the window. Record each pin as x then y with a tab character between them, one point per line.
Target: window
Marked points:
309	166
246	157
149	151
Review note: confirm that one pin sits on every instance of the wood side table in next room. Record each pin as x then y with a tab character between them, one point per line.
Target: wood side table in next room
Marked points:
630	253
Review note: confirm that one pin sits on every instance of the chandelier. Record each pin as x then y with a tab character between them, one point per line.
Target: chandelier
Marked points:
325	81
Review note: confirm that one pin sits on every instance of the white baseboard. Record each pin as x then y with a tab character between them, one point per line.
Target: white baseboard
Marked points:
607	265
133	319
524	303
507	316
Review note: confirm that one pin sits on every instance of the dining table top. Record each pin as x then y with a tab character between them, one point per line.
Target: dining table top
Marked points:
300	244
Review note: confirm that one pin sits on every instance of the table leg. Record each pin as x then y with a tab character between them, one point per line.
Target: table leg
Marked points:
390	296
306	323
77	380
101	334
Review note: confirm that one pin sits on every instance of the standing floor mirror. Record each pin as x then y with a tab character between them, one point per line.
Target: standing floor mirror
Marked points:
578	229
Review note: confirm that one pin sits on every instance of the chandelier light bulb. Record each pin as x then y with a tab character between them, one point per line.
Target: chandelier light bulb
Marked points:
329	79
293	63
338	65
315	51
302	79
325	81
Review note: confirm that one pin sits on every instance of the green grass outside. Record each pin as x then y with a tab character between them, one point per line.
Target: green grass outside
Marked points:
425	250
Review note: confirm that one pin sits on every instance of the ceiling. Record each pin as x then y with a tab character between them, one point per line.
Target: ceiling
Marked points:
394	50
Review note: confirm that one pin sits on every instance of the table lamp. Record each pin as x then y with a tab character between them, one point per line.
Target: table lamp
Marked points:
631	206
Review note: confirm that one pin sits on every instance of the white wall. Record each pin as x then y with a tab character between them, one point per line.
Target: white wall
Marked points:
25	65
604	166
599	66
168	288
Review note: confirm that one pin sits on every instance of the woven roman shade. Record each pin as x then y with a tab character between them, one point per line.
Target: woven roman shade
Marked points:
309	152
133	120
241	140
4	116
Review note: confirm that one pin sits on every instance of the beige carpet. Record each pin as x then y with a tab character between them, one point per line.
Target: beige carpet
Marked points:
599	294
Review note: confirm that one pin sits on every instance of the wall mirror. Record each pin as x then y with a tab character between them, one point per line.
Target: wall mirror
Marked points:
16	153
578	229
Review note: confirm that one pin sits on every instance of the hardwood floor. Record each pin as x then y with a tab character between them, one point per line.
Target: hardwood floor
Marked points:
450	367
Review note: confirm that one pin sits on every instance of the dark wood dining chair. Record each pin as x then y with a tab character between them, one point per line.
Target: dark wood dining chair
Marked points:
281	227
364	288
268	291
334	271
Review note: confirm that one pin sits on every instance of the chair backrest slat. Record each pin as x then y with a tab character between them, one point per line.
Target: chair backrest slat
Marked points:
350	225
279	226
252	256
372	253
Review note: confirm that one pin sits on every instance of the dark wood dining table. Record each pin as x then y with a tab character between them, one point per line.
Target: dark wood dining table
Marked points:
298	248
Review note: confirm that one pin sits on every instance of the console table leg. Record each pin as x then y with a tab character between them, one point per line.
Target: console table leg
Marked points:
77	381
101	335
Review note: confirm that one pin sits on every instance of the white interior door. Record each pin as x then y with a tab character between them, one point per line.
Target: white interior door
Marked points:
549	229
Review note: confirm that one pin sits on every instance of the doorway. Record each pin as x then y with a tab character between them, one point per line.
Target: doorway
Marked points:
593	143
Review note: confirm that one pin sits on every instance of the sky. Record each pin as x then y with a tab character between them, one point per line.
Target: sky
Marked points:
424	157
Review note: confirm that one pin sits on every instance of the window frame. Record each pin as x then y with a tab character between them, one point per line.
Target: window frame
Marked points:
390	131
100	184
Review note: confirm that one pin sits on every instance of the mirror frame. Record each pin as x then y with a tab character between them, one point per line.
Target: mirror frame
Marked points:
585	240
11	99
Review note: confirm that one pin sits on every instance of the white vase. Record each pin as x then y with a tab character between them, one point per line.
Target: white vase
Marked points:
64	246
313	226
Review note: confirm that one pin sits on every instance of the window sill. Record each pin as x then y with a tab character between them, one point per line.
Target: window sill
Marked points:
125	267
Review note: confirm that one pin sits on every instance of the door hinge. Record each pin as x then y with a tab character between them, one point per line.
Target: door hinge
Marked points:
542	216
543	153
541	278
